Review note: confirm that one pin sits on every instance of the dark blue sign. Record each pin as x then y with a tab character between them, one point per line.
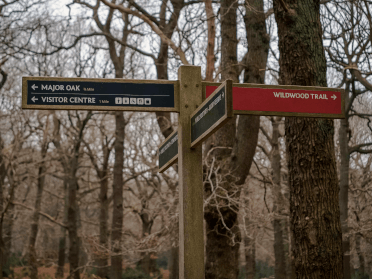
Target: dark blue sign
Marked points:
214	112
100	94
168	151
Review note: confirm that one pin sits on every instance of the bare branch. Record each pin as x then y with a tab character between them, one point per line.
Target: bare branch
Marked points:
153	26
50	218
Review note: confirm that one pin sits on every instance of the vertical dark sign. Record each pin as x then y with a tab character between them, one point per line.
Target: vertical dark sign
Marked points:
168	152
212	113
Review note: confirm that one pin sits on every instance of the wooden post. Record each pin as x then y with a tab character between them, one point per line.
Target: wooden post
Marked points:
191	237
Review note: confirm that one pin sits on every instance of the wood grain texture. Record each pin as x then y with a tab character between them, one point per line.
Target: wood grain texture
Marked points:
191	237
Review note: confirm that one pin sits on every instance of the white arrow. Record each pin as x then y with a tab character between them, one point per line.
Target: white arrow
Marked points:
334	97
34	86
34	99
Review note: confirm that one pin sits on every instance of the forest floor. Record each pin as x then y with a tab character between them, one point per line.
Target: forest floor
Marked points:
49	273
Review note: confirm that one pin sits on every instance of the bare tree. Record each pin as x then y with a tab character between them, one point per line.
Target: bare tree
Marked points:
314	209
348	43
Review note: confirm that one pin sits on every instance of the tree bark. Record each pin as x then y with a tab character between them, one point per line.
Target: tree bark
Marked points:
223	234
103	226
211	22
8	226
250	258
164	118
147	262
2	178
35	217
314	202
72	187
254	72
222	251
278	223
161	63
62	238
39	194
362	262
117	186
70	165
344	194
117	213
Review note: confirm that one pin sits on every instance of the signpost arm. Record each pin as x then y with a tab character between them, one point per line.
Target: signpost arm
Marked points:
191	236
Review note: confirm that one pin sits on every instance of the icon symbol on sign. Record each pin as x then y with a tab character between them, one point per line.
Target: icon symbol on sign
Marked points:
34	87
334	97
118	101
139	101
126	101
133	101
34	99
147	101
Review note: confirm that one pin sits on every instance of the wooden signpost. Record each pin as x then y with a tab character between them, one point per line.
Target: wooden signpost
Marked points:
197	120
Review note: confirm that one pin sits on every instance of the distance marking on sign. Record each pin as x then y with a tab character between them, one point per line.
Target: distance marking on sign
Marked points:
215	111
99	94
168	152
283	100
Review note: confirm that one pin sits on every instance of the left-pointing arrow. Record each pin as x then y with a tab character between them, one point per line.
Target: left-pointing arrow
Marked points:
34	99
34	86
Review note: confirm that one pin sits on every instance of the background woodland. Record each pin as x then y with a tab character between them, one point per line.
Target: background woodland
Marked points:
80	192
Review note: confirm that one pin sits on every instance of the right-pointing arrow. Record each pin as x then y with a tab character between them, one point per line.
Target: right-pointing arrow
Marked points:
334	97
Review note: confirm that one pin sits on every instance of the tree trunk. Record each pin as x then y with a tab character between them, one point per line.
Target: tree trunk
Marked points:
161	63
223	238
102	261
163	118
362	262
62	239
117	213
73	256
255	65
73	207
2	178
344	189
147	262
344	195
8	228
250	258
278	223
211	22
61	254
223	251
314	201
35	218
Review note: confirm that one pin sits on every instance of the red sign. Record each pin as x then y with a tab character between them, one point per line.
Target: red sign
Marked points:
296	101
